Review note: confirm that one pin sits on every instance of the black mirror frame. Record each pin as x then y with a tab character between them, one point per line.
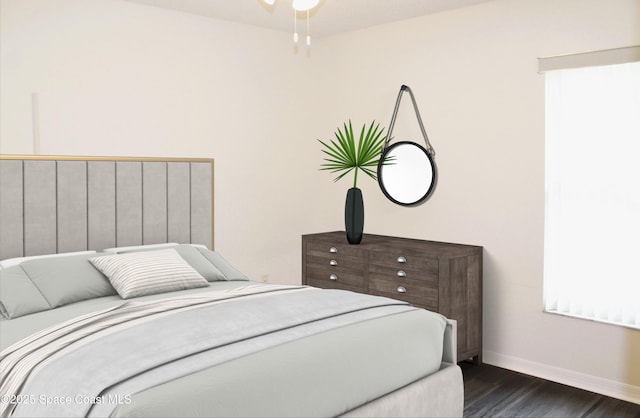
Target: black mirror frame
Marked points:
434	178
429	151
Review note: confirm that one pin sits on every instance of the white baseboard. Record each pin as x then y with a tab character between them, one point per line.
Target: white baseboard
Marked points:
588	382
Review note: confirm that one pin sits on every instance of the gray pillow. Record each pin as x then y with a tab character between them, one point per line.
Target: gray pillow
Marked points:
18	295
215	258
192	256
67	279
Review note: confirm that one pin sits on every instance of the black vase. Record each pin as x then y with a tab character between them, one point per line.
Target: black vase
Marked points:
354	215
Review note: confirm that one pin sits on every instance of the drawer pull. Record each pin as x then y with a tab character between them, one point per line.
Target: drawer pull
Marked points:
402	273
402	289
333	277
333	250
402	259
333	263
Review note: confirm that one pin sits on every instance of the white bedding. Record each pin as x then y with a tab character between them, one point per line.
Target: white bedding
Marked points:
109	360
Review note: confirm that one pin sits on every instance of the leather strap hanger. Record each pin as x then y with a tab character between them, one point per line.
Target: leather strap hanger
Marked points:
404	88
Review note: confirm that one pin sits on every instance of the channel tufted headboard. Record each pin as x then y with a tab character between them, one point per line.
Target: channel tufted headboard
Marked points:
54	204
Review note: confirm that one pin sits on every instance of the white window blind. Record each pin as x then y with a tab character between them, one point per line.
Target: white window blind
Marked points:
592	192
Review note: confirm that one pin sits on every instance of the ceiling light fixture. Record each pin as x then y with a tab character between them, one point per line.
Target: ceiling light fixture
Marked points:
302	5
299	6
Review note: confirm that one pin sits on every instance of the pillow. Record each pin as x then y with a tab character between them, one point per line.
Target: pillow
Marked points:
64	280
18	260
215	258
192	256
18	295
145	247
149	272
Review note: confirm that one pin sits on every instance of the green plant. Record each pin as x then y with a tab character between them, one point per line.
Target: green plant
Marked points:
343	156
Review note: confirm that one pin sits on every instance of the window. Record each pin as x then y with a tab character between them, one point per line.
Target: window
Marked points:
592	191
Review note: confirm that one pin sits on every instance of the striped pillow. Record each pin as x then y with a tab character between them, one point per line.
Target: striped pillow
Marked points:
148	273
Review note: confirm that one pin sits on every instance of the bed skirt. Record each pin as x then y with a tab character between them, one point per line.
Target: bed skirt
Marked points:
440	394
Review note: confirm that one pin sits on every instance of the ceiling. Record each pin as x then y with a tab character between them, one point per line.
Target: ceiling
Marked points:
328	18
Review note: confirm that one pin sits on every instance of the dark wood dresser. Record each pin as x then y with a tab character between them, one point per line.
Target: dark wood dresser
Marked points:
438	276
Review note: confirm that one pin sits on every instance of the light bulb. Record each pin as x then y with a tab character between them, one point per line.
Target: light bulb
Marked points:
308	40
295	37
305	4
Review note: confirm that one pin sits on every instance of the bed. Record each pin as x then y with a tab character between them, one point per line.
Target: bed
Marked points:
114	302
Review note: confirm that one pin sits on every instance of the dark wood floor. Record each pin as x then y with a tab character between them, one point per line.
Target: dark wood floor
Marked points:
494	392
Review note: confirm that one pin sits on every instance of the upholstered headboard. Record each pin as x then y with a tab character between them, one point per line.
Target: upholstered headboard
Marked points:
54	204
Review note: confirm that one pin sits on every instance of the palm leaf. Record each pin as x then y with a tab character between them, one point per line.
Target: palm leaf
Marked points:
344	156
371	151
332	152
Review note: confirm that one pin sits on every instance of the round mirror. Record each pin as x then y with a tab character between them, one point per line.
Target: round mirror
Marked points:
408	176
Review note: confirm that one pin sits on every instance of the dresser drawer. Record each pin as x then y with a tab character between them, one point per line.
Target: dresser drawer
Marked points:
332	248
329	254
402	272
396	260
416	292
334	277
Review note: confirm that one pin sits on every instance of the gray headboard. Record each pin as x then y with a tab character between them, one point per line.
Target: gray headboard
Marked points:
55	204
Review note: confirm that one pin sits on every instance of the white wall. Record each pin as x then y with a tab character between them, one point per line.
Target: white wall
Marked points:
474	74
123	79
118	78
